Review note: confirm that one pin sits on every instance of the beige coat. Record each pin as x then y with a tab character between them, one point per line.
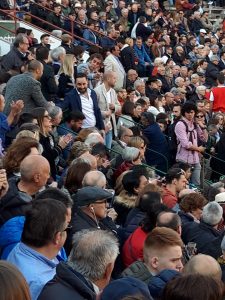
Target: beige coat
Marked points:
112	64
104	105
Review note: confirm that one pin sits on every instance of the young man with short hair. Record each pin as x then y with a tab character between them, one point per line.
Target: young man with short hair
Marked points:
162	250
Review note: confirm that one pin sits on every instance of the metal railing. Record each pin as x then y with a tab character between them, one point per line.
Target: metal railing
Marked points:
73	22
16	18
147	148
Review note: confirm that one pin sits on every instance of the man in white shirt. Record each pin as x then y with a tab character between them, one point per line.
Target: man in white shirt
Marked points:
83	99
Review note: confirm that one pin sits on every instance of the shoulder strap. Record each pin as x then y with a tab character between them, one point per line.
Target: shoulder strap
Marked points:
185	124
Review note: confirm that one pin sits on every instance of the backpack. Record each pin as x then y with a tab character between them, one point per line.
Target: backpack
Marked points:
172	138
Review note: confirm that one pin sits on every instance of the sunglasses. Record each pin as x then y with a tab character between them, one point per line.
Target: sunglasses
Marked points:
200	116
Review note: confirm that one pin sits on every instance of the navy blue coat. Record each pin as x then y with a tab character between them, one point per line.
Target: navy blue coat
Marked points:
72	102
158	144
207	238
67	284
134	218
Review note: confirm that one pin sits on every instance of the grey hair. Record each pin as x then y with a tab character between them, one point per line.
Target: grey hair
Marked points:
212	213
195	75
130	153
175	91
214	57
93	138
92	252
178	79
55	53
200	88
122	131
19	39
214	47
137	83
94	178
54	111
80	160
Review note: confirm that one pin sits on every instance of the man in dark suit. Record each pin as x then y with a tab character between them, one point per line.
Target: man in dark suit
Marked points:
48	84
127	56
84	99
134	14
222	61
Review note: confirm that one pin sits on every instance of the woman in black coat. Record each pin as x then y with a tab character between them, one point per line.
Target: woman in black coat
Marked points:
66	75
51	150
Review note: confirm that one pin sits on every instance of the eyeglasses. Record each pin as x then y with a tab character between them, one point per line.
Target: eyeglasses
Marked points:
200	116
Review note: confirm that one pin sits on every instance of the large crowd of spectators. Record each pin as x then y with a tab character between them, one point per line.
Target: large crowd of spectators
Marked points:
112	150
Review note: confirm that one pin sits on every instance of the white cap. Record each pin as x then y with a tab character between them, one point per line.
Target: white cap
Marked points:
220	198
202	31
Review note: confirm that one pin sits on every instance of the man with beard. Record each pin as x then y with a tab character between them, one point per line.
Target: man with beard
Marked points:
83	99
108	104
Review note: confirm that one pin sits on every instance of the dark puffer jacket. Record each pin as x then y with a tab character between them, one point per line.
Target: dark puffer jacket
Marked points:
206	237
14	203
134	219
67	284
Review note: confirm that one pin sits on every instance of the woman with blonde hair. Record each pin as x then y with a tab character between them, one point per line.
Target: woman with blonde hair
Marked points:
129	41
139	143
66	75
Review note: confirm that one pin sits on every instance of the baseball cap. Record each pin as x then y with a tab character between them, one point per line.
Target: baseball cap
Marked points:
202	31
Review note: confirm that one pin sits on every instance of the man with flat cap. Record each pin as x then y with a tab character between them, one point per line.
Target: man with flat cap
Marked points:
90	212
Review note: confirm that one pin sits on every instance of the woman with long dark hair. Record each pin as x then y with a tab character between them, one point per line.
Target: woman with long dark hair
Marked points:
51	150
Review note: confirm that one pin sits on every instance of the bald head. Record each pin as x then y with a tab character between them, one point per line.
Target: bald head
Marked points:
169	220
108	74
94	178
204	265
185	192
33	165
91	159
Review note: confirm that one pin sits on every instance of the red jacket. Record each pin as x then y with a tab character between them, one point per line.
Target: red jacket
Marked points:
133	247
125	166
218	102
169	199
